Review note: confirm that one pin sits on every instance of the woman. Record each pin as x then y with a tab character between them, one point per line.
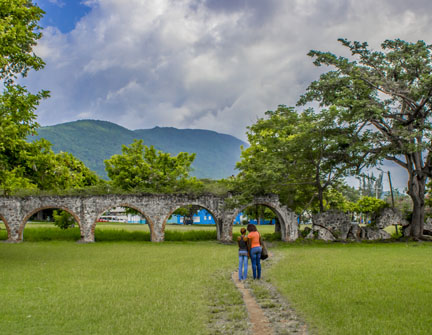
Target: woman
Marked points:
243	254
254	247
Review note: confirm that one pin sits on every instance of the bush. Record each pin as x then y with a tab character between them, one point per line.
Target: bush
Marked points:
63	219
305	232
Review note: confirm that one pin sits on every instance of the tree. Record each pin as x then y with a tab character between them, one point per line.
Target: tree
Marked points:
188	212
22	164
62	171
368	205
298	155
145	168
63	219
19	34
259	213
335	200
390	92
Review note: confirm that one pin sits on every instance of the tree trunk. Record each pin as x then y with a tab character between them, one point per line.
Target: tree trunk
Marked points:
321	198
416	190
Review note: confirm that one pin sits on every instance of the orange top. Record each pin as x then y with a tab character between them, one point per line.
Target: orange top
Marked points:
254	237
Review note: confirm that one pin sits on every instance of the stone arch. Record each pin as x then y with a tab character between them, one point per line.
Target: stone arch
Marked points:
194	203
124	204
276	209
38	209
6	225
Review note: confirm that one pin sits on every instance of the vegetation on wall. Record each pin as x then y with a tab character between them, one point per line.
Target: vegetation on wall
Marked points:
374	106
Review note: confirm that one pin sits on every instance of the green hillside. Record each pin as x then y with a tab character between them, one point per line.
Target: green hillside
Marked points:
94	141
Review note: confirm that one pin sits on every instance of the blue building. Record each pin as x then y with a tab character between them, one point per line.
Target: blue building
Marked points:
204	217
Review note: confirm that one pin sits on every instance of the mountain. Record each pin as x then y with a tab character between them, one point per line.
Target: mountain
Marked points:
94	141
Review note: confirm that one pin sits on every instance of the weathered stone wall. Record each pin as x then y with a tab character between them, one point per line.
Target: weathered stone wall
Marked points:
387	217
287	219
15	211
331	226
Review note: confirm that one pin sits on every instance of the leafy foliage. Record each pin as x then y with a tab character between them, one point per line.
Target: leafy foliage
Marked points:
369	205
94	141
26	165
389	94
142	167
188	211
63	219
298	155
20	32
259	212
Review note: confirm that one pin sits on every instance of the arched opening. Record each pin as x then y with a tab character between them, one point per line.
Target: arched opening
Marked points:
122	222
50	223
264	216
4	228
191	222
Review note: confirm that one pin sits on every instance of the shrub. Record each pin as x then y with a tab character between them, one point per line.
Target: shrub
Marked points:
63	219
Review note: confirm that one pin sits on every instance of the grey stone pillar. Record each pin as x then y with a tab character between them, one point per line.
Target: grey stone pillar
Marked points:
156	220
224	229
14	230
87	226
289	225
11	214
157	229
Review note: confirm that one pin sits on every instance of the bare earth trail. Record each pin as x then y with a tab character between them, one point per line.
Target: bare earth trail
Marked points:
260	323
269	313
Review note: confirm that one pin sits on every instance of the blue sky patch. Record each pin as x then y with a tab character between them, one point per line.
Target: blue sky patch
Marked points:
62	14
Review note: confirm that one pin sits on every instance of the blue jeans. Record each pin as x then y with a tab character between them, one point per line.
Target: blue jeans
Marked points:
243	267
255	254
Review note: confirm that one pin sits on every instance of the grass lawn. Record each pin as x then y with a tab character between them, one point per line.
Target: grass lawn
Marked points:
40	231
60	287
359	288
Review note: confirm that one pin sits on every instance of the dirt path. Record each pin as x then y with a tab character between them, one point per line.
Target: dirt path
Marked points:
269	312
260	323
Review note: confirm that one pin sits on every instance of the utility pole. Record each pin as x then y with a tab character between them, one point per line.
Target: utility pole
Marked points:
376	190
391	188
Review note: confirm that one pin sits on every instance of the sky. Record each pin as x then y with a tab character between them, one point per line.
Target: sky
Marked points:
207	64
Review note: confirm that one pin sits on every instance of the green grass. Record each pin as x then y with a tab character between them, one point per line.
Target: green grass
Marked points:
114	288
359	288
47	231
182	287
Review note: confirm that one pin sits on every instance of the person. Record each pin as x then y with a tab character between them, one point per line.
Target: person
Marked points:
254	247
243	254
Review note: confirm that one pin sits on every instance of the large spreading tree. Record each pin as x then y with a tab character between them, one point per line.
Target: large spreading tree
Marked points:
23	164
390	92
19	34
299	155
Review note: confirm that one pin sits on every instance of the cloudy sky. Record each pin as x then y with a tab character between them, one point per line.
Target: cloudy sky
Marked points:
211	64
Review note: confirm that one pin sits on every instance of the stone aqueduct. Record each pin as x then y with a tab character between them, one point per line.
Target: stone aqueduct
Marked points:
15	212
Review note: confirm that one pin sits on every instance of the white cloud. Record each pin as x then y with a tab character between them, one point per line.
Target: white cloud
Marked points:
215	64
57	3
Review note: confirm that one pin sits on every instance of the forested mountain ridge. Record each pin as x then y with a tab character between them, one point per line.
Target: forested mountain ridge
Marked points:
93	141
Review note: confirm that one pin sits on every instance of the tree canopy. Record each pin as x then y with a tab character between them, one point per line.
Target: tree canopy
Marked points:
20	32
389	93
148	169
26	165
298	155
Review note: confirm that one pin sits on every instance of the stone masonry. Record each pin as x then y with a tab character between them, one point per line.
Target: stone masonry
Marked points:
15	211
331	226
